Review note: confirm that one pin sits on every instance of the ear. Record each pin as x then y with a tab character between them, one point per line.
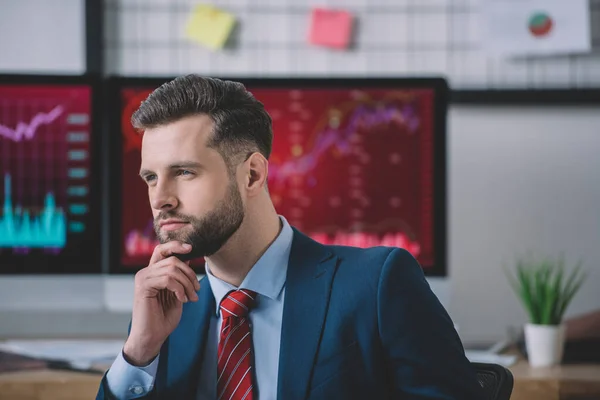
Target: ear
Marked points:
257	169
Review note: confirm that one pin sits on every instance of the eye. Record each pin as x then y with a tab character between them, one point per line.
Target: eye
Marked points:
184	172
149	178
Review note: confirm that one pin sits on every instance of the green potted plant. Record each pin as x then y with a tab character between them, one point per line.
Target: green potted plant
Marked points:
545	289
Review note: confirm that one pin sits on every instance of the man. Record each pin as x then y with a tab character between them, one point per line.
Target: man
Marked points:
278	315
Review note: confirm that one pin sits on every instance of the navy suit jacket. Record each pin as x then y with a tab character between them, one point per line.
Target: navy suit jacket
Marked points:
357	324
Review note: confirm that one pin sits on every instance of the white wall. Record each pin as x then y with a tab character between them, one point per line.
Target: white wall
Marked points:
519	179
40	36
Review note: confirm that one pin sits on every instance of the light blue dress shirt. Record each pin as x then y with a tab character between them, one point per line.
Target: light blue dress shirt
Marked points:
267	278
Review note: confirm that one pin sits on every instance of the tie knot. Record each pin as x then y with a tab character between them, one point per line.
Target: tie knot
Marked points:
238	303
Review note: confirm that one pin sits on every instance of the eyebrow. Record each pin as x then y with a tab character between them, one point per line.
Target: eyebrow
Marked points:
178	165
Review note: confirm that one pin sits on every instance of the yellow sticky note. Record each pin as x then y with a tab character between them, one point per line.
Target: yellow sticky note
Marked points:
209	26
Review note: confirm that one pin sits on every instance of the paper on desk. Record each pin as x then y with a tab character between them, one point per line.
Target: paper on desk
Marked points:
79	352
483	356
536	27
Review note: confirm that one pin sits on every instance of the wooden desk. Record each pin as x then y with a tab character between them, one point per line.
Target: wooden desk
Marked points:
564	382
48	385
567	382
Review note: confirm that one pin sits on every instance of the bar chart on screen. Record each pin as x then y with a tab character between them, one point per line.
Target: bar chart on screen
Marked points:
19	229
45	169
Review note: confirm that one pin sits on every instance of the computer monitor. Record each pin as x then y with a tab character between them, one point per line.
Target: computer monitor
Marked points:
49	220
358	162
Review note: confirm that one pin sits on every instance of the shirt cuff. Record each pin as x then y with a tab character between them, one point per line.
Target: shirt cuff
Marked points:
126	381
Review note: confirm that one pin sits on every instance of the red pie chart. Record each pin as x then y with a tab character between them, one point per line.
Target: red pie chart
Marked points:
540	24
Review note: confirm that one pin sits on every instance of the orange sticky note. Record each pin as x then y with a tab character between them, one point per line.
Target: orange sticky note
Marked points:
210	26
330	28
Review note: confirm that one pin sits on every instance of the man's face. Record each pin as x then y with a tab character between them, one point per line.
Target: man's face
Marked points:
193	197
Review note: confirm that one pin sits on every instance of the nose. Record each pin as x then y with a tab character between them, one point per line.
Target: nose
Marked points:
162	196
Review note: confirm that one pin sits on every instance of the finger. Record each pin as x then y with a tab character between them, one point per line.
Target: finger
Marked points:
170	299
165	250
174	267
189	272
183	266
170	283
167	298
183	279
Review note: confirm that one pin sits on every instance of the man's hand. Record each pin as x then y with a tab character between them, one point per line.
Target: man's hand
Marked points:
160	291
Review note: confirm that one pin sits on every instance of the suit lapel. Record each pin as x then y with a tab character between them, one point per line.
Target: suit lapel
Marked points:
186	344
308	286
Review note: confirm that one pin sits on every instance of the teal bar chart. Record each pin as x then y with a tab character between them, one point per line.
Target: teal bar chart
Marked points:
19	228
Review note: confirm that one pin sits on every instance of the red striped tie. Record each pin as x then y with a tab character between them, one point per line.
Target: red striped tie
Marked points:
234	366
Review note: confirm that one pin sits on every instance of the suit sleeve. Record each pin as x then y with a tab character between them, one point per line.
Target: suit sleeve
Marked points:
124	381
425	357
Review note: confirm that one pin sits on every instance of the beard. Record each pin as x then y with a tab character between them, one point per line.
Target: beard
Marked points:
208	233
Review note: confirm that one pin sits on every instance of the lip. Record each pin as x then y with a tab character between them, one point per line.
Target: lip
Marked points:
172	224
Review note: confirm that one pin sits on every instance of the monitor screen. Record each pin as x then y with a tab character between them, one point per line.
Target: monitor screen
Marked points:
354	162
48	223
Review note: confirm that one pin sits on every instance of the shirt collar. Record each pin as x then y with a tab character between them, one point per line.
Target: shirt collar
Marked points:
267	276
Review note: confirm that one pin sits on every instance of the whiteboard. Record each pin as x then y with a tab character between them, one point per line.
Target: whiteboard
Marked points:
391	38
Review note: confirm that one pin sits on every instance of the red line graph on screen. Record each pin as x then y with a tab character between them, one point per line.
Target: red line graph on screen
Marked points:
363	117
345	169
27	131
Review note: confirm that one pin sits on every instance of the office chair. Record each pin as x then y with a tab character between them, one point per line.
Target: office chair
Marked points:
496	381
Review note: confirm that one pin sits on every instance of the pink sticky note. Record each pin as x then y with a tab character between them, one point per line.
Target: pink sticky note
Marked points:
331	28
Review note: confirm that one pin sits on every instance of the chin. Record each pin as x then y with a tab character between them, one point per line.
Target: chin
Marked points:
187	256
174	235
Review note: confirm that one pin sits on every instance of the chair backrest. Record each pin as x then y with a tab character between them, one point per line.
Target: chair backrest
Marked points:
496	381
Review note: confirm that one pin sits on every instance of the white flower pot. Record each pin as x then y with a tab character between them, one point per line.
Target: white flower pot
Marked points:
545	344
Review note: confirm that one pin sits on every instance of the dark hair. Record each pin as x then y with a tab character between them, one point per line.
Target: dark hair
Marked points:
241	124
